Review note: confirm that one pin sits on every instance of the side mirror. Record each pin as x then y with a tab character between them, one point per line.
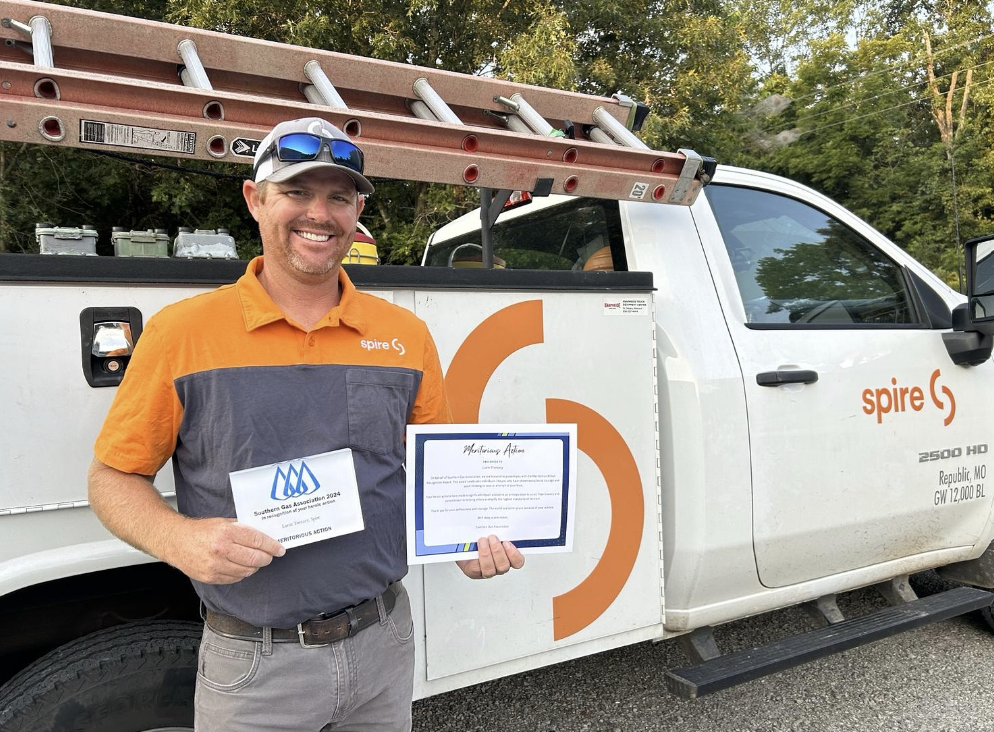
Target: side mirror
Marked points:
972	339
980	283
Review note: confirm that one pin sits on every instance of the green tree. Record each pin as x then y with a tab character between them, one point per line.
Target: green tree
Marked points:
685	59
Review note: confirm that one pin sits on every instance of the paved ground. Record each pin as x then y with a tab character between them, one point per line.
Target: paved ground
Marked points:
934	679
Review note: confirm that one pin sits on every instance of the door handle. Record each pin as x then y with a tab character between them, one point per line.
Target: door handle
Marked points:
776	378
107	337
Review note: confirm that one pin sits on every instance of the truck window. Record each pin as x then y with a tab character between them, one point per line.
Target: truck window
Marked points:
795	264
582	234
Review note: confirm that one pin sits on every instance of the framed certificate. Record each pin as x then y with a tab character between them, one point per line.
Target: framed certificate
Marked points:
466	481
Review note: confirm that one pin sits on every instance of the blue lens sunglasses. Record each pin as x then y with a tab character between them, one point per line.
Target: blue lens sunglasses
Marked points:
303	146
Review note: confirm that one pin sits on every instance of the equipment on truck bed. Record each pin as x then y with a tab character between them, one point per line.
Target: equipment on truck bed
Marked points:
81	241
149	243
204	244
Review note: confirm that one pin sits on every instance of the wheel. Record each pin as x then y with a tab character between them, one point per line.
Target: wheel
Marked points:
131	678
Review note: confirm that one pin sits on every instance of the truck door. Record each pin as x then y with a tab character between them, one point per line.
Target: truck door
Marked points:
867	443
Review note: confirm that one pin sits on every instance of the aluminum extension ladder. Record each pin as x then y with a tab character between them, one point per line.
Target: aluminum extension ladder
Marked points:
86	79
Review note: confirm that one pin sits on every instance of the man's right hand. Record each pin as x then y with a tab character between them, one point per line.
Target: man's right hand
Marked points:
216	551
220	551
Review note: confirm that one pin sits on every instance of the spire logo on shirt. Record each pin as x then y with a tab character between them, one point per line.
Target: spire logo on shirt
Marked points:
372	344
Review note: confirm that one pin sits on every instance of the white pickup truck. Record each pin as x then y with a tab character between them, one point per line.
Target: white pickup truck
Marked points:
769	413
774	404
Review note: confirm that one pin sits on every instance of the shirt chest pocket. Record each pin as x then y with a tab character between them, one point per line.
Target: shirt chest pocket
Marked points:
379	403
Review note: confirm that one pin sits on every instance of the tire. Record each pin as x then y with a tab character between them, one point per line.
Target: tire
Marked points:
131	678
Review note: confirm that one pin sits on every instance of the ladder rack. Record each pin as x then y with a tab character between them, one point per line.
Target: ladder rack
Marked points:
80	78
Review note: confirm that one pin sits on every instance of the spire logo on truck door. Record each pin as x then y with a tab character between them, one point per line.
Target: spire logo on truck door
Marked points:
897	398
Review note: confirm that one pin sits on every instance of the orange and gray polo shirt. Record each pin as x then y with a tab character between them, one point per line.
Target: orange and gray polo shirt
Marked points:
223	382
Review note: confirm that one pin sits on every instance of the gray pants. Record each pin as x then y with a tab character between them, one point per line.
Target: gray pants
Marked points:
360	684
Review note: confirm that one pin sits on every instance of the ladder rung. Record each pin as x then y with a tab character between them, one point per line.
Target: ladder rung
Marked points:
599	135
320	82
422	88
422	110
194	73
538	124
513	122
616	130
39	31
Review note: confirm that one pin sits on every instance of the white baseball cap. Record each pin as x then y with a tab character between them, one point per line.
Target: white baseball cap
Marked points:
298	145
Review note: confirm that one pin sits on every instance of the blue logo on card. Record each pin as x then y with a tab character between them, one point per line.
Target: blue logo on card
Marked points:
295	482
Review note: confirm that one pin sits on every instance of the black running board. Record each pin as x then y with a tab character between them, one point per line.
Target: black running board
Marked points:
730	669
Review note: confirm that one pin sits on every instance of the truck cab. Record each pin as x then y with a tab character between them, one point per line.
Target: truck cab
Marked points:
815	435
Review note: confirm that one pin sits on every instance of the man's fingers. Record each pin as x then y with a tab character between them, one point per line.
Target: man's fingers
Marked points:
222	551
487	568
515	557
244	556
255	539
495	557
501	563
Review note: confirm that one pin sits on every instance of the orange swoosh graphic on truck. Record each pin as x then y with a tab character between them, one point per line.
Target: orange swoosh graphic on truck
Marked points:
938	402
485	348
492	341
575	610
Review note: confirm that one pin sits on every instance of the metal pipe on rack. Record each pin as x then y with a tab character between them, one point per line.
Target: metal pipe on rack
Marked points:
194	74
435	103
617	130
323	85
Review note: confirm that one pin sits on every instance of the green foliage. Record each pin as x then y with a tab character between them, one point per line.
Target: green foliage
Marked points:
865	135
543	54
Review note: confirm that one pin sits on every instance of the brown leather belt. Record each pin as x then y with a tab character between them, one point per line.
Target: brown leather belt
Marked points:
311	633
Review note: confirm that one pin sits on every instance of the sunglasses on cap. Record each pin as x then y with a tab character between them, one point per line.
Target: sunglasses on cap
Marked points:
299	147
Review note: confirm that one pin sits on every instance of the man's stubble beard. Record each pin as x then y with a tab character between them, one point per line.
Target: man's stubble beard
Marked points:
299	263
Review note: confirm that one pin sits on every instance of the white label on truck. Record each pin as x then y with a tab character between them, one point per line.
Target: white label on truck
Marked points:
144	138
639	191
626	306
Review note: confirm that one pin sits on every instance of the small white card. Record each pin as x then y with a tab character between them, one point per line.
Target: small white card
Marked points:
300	501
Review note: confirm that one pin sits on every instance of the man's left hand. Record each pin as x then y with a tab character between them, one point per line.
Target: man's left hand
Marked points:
496	557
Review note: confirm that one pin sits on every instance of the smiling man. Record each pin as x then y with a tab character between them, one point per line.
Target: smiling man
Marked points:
252	377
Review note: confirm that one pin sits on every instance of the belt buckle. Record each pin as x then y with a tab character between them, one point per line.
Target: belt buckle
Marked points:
305	644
